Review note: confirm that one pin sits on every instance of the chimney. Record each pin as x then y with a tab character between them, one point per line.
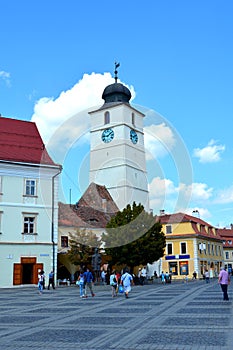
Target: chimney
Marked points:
162	212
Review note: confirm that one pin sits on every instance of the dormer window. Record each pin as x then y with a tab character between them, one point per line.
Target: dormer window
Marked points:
168	229
106	117
224	242
229	242
93	220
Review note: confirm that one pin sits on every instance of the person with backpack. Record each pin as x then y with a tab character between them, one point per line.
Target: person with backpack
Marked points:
113	283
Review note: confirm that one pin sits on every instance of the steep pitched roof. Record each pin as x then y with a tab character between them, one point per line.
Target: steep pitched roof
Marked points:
94	209
20	141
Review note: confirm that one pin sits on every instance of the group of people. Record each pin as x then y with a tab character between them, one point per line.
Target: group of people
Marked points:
165	277
41	280
85	282
125	280
116	280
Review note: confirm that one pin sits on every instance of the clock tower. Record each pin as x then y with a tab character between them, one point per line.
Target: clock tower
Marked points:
117	155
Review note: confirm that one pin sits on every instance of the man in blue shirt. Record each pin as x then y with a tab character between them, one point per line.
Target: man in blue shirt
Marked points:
88	282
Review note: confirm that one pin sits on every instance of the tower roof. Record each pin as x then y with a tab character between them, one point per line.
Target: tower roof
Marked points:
116	92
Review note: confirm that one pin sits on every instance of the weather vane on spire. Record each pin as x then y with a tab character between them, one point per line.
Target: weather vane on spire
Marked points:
117	64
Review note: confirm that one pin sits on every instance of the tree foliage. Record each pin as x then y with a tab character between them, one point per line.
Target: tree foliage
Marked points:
82	244
134	237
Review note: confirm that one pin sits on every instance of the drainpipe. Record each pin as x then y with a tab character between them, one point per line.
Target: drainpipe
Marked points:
53	208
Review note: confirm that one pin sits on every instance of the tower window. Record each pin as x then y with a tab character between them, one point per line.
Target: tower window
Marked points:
106	117
133	118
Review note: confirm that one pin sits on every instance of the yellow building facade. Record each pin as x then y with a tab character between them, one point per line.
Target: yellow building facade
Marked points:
192	245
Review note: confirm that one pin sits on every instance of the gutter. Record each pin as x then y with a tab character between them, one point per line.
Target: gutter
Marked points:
53	208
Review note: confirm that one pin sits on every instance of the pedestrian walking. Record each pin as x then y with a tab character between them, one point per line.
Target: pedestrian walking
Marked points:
224	281
81	280
162	276
51	280
40	281
126	281
207	276
194	275
89	279
143	275
113	283
103	277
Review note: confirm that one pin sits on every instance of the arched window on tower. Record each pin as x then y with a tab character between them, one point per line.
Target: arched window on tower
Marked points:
106	117
133	118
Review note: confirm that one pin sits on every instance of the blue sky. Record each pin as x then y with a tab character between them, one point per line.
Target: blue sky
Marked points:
176	58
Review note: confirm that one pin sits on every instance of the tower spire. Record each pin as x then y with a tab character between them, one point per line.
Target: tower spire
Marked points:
117	64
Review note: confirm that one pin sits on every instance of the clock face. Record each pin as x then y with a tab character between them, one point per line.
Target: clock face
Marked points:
133	136
107	135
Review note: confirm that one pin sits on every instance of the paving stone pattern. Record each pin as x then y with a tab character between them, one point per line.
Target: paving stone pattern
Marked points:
182	316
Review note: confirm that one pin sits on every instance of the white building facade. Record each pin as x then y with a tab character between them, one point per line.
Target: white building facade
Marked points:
28	205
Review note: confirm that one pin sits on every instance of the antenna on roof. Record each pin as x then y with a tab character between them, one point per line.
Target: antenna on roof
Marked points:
117	65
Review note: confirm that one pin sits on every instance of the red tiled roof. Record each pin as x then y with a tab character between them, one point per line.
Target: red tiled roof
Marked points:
204	229
94	209
20	141
180	217
226	235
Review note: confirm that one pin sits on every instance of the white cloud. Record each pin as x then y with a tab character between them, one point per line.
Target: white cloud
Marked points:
209	154
50	113
161	187
225	196
5	76
199	192
159	140
164	194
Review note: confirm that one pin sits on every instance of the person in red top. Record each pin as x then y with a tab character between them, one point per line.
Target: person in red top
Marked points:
224	281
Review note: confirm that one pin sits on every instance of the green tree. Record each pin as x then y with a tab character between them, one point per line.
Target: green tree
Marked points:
133	237
82	244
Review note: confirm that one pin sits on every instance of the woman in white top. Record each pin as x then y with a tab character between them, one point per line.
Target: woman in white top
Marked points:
126	281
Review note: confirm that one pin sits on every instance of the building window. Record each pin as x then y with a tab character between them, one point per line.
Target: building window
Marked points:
64	241
212	249
227	255
219	249
30	187
216	250
183	248
29	225
168	229
184	268
169	248
173	269
106	117
202	248
0	184
229	242
133	119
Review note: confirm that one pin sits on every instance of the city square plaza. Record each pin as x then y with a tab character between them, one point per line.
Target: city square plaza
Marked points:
179	315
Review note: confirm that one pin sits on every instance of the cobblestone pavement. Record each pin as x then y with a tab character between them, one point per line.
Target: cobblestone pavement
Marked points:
175	316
